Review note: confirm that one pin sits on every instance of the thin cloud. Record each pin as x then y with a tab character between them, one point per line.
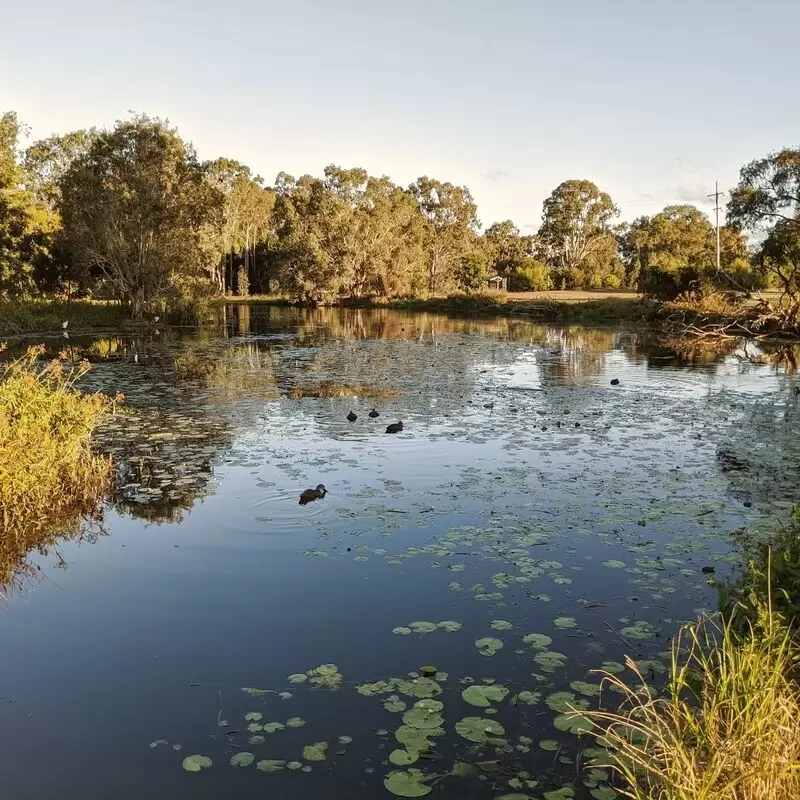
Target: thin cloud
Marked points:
495	175
687	167
696	194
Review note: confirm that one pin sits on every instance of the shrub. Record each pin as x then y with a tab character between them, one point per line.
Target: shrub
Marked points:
530	276
48	472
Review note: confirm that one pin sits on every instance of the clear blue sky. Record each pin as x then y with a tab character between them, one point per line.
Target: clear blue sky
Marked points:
652	100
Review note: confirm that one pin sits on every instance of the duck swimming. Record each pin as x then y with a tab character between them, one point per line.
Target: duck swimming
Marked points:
374	413
395	427
309	495
351	417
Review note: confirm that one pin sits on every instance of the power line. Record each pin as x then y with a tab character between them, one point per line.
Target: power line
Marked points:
715	196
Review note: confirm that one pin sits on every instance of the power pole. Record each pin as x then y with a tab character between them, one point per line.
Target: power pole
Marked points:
717	209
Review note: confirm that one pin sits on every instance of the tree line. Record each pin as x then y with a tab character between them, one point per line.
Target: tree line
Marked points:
132	213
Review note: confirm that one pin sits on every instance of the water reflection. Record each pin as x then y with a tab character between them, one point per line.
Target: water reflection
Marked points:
527	500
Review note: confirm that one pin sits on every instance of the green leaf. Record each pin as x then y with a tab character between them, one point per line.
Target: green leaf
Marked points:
603	793
529	698
401	630
551	745
316	751
614	564
293	722
294	765
273	727
585	688
394	704
158	742
422	627
270	765
565	622
407	784
483	696
538	640
253	716
422	719
196	763
479	729
449	625
402	758
500	625
298	677
242	759
612	667
413	738
488	645
256	740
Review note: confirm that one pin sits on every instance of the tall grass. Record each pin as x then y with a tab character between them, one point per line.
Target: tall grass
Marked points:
49	475
728	726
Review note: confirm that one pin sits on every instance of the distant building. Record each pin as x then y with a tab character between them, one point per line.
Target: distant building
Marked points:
498	284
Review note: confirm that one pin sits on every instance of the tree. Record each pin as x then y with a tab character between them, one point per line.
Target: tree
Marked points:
137	208
471	272
246	220
768	192
451	230
530	275
504	247
779	257
575	234
26	229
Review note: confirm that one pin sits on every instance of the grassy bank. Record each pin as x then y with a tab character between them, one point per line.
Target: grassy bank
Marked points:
727	724
49	476
21	317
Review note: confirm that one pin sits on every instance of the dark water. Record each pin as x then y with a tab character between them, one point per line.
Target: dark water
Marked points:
524	495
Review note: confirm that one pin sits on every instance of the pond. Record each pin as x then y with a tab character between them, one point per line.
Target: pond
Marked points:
424	626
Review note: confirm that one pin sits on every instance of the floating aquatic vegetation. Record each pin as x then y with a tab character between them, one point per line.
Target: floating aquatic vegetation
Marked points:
479	729
196	763
639	630
500	625
565	622
293	722
325	676
242	759
270	765
402	758
484	696
538	640
529	698
488	645
407	783
315	752
550	660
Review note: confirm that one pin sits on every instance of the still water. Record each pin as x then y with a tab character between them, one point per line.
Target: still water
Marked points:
531	523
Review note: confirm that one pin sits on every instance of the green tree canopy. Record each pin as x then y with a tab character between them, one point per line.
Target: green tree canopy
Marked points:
137	208
575	235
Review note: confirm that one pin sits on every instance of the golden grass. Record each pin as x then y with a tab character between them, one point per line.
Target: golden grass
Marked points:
728	727
49	476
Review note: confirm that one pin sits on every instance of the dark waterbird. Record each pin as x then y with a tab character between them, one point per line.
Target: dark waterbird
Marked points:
615	381
374	413
309	495
351	417
395	427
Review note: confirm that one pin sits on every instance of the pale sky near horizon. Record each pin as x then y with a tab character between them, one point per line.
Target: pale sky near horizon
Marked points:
652	100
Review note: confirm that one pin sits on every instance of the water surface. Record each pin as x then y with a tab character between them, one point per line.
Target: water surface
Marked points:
525	495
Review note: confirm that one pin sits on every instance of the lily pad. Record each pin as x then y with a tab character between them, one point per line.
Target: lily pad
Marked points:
196	763
422	627
242	759
316	751
614	564
483	696
549	660
413	738
561	701
479	729
253	716
270	765
488	645
612	667
298	677
422	718
565	622
394	704
565	793
449	625
273	727
529	698
345	739
500	625
293	765
293	722
401	630
603	793
402	758
407	784
574	723
639	630
551	745
538	640
585	688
